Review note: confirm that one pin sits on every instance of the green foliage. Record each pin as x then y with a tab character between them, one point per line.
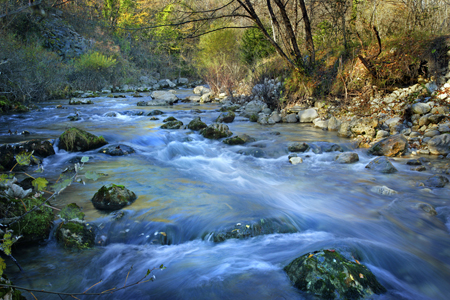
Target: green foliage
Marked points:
254	45
40	184
2	266
94	61
167	35
70	212
323	34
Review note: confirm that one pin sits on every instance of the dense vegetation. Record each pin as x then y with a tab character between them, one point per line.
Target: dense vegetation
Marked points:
321	48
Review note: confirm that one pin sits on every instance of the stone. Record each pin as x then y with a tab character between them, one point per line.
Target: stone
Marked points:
326	274
226	117
166	83
78	101
364	126
75	139
424	121
291	118
419	169
295	160
216	131
437	181
155	112
383	190
307	115
394	145
440	110
235	140
196	124
200	90
205	98
113	197
414	162
431	133
344	129
117	150
274	117
347	158
172	125
381	134
319	123
434	119
299	147
333	124
253	108
165	97
421	108
381	164
444	128
76	234
439	144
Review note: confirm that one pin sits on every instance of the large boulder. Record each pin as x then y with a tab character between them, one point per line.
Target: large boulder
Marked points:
75	139
253	108
364	126
200	90
394	145
381	164
216	131
328	275
113	197
307	115
333	124
172	125
196	124
438	181
164	97
166	83
439	144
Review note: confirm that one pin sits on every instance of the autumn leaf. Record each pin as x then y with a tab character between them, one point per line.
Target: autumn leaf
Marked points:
39	183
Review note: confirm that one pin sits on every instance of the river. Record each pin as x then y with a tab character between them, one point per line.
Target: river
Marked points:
189	187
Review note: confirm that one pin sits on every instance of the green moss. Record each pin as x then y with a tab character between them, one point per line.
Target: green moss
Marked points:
70	212
76	137
253	118
122	187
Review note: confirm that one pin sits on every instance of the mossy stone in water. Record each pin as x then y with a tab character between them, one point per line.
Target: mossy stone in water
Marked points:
328	275
113	197
196	124
299	147
70	212
216	131
76	235
75	139
172	125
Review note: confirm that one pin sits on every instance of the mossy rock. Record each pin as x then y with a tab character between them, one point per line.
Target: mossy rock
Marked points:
216	131
328	275
196	124
117	150
172	125
75	139
235	140
254	118
36	225
71	212
155	112
9	292
169	119
113	197
76	235
299	147
226	117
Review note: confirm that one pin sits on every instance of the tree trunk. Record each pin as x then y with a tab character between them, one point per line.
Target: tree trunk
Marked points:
308	33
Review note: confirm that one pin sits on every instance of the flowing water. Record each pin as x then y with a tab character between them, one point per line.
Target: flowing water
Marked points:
189	187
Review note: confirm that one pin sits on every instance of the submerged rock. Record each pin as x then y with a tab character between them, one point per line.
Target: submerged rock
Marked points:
392	146
216	131
328	275
381	164
155	112
80	101
75	139
117	150
246	230
113	197
438	181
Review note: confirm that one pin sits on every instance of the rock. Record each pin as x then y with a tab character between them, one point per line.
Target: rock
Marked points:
307	115
274	118
172	125
7	292
75	235
383	190
414	162
444	128
328	275
194	98
291	118
421	108
253	108
347	158
201	90
424	121
330	147
166	83
216	131
419	169
34	226
182	81
364	126
226	117
235	140
196	124
205	98
429	209
75	139
392	146
333	124
381	164
439	144
155	112
79	101
250	229
295	160
437	181
113	197
434	119
111	114
162	98
381	134
263	119
431	133
299	147
117	150
319	123
344	129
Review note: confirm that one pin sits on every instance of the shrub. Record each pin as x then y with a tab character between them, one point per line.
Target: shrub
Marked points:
255	46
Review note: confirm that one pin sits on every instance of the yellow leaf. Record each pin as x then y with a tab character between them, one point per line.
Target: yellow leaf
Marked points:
248	226
163	233
311	255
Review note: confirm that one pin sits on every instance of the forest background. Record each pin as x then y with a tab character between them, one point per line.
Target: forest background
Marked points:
317	48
